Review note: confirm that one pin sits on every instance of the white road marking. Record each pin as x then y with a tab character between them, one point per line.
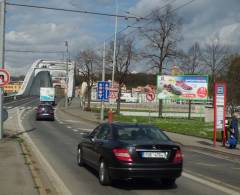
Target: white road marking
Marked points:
82	129
211	184
71	121
206	164
69	127
236	168
75	130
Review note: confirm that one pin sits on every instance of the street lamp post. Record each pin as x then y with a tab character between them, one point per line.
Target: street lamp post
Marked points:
103	79
66	81
115	43
2	54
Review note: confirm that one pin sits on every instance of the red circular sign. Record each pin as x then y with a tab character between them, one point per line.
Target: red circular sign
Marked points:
4	77
150	96
202	92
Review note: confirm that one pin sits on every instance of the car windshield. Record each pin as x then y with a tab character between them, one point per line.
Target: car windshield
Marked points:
130	133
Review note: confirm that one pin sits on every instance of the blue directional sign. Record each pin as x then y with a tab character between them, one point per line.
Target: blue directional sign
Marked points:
103	90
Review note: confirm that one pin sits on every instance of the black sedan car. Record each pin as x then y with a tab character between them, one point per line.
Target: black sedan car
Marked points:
45	111
126	151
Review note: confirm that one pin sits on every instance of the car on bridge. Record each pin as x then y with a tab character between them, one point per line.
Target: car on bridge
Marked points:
45	111
126	151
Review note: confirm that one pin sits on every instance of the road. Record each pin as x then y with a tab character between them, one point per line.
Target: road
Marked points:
57	142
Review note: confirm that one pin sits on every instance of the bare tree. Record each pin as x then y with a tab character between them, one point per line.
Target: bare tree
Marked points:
190	64
232	77
125	54
88	63
214	56
161	37
191	61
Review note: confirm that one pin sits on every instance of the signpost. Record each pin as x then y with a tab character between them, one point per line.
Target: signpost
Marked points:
2	48
150	97
220	92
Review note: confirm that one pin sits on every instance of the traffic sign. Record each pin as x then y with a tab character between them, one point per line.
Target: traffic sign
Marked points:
5	114
103	90
113	93
4	77
150	96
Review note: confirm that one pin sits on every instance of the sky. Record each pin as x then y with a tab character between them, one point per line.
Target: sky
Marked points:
47	30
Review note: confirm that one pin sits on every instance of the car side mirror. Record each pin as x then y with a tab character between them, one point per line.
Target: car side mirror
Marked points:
92	139
88	136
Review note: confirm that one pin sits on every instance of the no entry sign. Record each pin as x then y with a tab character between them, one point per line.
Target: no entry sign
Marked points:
4	77
150	96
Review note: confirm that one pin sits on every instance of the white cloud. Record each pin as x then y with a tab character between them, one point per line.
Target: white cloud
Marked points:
37	29
229	34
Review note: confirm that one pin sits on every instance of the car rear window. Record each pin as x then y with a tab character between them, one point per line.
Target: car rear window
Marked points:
140	133
45	107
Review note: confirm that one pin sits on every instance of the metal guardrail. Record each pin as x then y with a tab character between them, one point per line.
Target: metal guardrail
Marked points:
12	98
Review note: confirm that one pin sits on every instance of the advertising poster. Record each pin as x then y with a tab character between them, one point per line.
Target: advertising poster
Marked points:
47	94
187	87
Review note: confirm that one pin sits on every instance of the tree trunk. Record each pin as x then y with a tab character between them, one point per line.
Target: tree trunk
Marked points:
189	108
89	98
160	108
160	102
119	99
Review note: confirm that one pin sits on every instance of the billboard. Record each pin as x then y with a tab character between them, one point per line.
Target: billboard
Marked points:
187	87
47	94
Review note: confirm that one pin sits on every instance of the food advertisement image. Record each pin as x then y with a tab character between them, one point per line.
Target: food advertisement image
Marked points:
187	87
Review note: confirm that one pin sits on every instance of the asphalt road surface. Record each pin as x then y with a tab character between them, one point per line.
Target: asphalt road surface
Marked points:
203	173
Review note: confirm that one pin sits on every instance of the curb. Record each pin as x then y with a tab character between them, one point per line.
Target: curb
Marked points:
56	183
212	150
37	181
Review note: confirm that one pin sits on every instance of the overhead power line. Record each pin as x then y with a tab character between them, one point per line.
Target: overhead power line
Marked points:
147	16
139	27
73	11
32	51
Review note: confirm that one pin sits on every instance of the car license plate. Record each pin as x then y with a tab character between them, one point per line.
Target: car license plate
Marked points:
163	155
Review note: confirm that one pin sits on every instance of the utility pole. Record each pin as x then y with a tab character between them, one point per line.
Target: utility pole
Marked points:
115	43
103	79
2	54
66	81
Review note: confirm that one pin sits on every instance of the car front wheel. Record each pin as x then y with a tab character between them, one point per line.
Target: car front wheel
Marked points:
79	157
104	177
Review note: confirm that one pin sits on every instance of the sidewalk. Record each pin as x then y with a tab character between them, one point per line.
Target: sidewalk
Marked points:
187	141
15	175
